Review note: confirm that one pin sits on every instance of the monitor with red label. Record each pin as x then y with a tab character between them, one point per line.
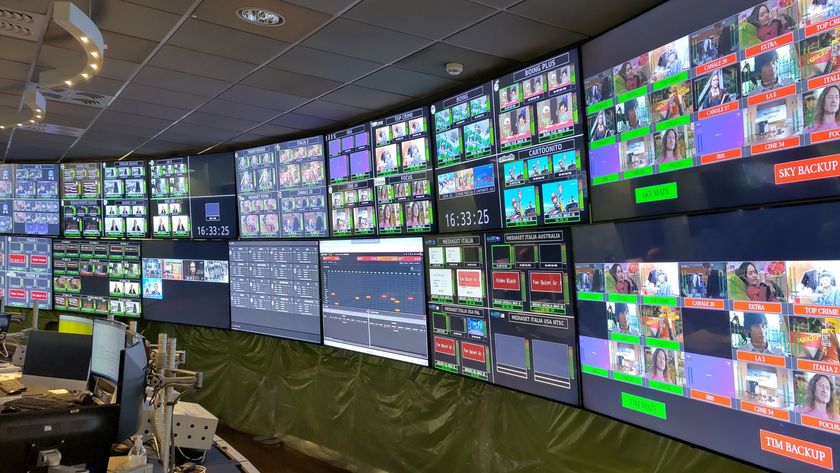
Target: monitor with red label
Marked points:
26	272
500	310
714	330
737	106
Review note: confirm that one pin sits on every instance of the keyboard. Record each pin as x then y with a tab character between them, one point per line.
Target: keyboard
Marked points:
36	404
11	386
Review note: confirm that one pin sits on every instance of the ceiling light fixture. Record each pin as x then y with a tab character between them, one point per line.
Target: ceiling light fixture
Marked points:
73	20
260	16
33	108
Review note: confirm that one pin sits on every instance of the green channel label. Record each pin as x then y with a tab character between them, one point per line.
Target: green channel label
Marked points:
629	135
602	142
628	298
632	94
674	165
660	300
604	179
645	171
669	81
595	370
643	405
597	107
666	344
625	338
628	378
665	387
590	296
655	193
683	120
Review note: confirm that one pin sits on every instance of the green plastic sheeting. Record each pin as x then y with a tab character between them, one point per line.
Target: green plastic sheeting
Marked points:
404	418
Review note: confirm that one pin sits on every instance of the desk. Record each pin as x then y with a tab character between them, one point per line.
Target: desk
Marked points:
221	458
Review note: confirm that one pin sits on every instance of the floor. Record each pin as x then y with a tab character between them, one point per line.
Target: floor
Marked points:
273	458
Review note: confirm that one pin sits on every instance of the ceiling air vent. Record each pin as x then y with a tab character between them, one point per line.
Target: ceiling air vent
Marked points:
21	24
54	129
63	94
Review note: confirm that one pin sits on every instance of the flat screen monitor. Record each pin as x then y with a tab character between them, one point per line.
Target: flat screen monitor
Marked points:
374	298
97	277
465	150
81	200
29	199
720	330
194	197
108	342
282	190
351	191
275	289
731	106
56	360
126	199
501	312
186	282
541	144
403	169
25	272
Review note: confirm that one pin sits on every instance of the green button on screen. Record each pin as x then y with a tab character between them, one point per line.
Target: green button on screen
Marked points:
643	405
655	193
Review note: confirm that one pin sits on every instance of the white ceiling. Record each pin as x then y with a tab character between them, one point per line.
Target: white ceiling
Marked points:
188	75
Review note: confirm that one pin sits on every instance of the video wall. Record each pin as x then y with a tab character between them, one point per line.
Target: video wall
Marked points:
740	109
97	277
29	203
26	272
689	324
500	310
282	190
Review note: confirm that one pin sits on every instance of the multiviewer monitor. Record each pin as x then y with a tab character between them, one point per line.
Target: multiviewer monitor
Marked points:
733	105
186	282
97	277
275	289
25	268
351	186
29	203
720	330
282	190
125	199
500	310
194	197
373	297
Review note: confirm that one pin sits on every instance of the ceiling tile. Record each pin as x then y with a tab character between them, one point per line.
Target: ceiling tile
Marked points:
54	118
433	59
512	36
302	122
327	6
299	21
14	70
147	109
161	148
196	135
71	109
597	17
405	82
99	85
263	98
274	131
290	82
179	7
364	41
179	81
18	49
112	117
220	121
227	42
198	63
362	97
125	48
239	110
144	93
34	6
332	111
422	19
314	62
117	69
133	20
497	3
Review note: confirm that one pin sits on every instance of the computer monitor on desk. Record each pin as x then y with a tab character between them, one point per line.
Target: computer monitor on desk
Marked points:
81	435
57	360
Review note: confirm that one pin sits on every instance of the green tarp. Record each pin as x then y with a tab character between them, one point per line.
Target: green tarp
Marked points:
404	418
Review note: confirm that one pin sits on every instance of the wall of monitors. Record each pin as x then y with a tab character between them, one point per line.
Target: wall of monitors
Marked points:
275	289
500	310
386	314
351	191
25	271
194	197
509	153
186	282
716	331
29	203
282	190
97	277
734	105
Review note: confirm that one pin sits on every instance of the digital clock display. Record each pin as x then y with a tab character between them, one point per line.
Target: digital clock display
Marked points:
468	196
